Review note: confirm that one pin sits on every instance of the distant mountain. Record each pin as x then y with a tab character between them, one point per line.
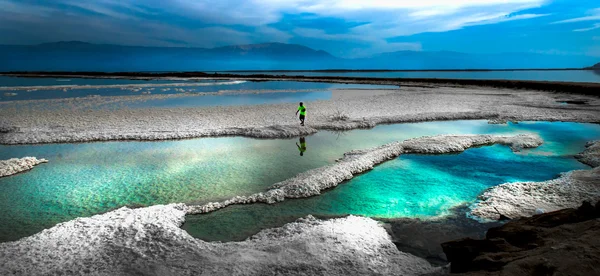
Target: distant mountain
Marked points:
596	66
83	56
270	50
445	60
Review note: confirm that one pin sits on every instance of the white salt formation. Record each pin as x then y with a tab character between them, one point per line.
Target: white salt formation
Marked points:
591	155
525	199
312	182
136	87
80	119
17	165
149	241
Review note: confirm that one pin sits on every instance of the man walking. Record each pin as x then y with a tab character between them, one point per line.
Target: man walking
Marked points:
302	110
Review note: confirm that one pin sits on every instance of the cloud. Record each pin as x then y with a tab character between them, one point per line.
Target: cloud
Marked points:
594	27
205	23
593	15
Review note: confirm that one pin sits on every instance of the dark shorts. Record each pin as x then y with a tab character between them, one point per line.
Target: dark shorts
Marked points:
301	117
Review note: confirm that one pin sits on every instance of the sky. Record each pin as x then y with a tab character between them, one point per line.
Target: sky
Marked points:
345	28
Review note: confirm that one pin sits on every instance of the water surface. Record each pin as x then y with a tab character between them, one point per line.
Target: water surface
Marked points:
535	75
411	186
90	178
206	86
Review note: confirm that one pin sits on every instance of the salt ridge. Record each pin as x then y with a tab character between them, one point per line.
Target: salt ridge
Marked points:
312	182
17	165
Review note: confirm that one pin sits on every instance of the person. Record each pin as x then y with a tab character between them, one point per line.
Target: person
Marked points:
302	110
302	146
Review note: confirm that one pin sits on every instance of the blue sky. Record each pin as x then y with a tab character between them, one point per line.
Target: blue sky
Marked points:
345	28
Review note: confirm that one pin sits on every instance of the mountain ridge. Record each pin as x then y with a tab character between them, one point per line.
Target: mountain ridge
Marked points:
84	56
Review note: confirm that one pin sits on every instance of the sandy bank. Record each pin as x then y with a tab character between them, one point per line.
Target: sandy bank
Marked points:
17	165
148	241
525	199
363	109
312	182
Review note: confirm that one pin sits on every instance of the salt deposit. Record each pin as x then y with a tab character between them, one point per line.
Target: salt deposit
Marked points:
148	241
361	109
123	86
312	182
525	199
591	155
17	165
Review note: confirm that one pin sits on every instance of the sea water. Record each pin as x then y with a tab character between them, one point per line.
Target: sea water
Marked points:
189	87
533	75
91	178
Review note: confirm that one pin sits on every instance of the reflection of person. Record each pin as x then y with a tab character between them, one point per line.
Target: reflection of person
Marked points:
302	146
302	110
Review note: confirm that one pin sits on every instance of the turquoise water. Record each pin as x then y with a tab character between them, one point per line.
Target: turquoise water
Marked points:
208	86
90	178
565	75
411	186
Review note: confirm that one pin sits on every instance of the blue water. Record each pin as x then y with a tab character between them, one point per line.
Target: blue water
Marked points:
215	86
90	178
567	76
19	81
411	186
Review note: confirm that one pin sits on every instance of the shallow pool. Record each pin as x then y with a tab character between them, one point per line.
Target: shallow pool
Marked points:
90	178
204	86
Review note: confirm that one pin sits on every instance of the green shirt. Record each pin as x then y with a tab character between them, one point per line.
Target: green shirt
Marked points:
302	110
302	147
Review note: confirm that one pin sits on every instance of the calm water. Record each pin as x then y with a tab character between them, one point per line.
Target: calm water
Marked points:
17	81
414	186
205	86
568	76
90	178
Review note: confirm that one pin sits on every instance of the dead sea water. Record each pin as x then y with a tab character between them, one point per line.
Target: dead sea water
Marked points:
90	178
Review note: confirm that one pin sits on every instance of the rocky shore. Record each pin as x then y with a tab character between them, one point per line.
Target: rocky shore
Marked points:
563	242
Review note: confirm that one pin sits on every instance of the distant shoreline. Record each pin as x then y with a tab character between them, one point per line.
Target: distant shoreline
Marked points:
406	70
585	88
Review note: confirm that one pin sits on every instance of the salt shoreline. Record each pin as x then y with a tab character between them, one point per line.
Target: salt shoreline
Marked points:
17	165
114	86
313	182
568	87
362	109
149	241
525	199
